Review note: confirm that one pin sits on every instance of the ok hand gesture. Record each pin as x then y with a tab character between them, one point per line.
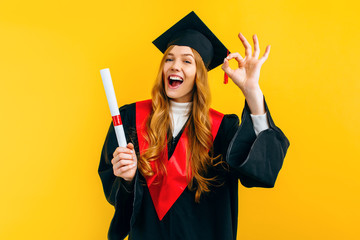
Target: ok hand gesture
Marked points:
247	75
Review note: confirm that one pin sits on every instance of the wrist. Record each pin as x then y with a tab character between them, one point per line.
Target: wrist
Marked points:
252	92
255	101
128	185
128	180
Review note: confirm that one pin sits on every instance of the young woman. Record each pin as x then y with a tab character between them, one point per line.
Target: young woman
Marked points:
178	176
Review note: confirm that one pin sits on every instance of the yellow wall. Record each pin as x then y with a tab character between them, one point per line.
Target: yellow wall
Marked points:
54	114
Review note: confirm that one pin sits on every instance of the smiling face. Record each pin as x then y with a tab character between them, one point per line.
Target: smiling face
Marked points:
179	73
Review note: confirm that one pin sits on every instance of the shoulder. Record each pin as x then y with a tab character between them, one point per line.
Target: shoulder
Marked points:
131	107
144	107
228	127
227	119
230	123
231	118
127	113
127	107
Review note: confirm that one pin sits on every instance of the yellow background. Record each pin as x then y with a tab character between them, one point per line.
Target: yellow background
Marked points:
54	113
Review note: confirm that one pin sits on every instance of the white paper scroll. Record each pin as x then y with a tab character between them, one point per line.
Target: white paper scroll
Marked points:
114	109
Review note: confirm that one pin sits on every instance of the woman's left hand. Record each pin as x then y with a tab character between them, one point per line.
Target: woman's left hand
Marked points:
247	75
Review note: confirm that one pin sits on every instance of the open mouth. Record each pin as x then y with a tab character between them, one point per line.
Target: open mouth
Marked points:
175	81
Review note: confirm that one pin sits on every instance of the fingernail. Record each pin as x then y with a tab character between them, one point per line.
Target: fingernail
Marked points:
131	151
134	165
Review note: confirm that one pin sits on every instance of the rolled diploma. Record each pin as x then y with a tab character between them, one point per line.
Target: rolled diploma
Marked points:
114	109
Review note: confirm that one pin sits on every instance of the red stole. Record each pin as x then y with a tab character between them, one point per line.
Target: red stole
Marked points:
166	189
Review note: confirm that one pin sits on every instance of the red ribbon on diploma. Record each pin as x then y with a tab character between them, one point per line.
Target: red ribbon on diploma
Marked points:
117	120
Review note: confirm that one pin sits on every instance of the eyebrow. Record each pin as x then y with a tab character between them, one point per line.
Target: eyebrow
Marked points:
185	54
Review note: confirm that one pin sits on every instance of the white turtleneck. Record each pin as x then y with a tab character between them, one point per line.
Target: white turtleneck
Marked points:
179	113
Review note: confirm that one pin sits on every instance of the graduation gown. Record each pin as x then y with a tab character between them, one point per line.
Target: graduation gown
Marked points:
254	160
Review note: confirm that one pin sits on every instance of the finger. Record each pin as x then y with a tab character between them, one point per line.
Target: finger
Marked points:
124	169
122	156
237	57
119	150
226	67
246	45
126	156
123	163
266	54
114	160
130	146
256	47
132	149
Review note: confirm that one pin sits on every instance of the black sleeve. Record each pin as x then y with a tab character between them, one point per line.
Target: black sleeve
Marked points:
112	185
256	161
118	192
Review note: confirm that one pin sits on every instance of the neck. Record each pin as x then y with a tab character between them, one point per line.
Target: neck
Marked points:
179	113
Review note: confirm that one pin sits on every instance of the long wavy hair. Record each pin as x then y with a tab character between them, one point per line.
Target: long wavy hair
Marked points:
198	130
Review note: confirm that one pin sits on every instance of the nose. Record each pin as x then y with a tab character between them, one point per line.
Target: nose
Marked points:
176	65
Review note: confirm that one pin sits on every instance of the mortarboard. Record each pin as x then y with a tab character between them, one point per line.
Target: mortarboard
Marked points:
192	32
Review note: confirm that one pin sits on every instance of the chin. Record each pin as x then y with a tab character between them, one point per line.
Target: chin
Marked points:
178	96
172	96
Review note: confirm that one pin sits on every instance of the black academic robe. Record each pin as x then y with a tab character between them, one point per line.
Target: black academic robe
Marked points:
255	161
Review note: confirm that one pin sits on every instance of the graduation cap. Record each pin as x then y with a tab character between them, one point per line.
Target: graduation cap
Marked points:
192	32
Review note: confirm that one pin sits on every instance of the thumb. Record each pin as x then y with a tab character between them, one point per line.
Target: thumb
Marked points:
130	146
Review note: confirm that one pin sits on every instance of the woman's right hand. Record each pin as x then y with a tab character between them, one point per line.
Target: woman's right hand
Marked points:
125	162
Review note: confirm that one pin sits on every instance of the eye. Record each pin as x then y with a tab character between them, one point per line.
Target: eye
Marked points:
168	59
187	61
